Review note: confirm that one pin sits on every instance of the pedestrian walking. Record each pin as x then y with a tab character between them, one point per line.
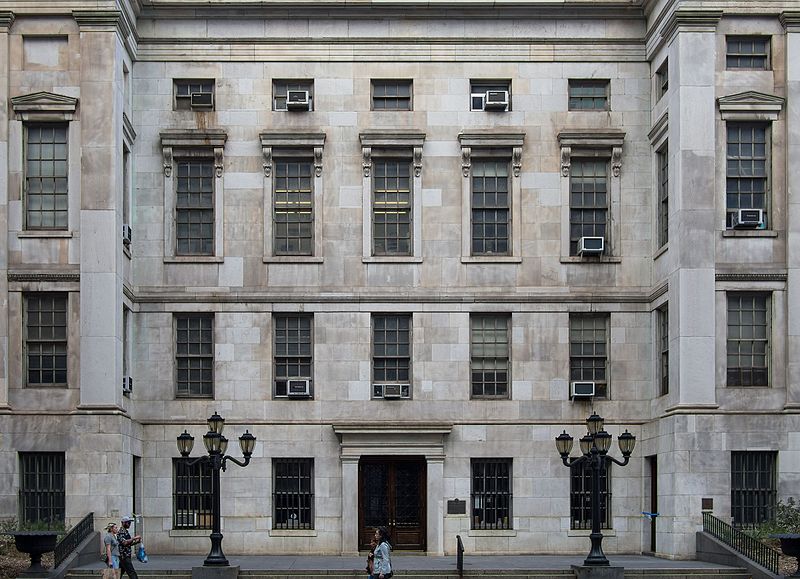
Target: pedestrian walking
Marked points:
382	563
111	546
371	557
126	542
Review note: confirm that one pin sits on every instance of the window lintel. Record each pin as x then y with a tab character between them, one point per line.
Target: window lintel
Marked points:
291	139
750	105
193	143
505	139
573	143
392	139
44	106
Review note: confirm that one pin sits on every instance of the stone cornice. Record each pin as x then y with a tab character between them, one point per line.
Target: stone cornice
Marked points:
751	277
103	19
20	276
680	20
6	20
790	21
659	130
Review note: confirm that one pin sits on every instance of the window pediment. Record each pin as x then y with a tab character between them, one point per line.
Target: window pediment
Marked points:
192	142
44	105
409	139
750	105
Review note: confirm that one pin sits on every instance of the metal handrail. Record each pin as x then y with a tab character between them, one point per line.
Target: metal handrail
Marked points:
459	556
73	539
742	543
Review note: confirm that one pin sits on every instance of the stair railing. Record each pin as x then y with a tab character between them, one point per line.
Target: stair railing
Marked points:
459	556
742	543
73	539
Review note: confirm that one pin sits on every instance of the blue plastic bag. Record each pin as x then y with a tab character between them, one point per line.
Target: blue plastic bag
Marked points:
141	554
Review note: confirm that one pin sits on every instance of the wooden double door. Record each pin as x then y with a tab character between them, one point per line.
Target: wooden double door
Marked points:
391	493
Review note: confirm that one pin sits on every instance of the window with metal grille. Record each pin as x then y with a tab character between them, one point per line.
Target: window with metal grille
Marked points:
662	315
194	355
391	349
662	159
293	497
46	339
753	487
588	200
588	95
748	339
293	351
194	210
489	355
391	95
46	173
192	494
491	207
580	496
746	183
194	94
280	93
588	346
491	493
42	489
391	207
662	80
293	207
747	52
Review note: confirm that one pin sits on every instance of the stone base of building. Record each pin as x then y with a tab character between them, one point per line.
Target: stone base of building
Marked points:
227	572
591	572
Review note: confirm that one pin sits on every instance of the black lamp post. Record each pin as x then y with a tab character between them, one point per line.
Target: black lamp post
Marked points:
594	447
216	445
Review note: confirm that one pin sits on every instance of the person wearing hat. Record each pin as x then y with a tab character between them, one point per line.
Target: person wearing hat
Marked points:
125	544
112	547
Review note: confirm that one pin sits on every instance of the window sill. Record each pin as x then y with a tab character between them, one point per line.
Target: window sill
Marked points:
603	259
391	259
587	532
749	233
292	532
189	532
292	259
492	533
766	387
48	386
126	250
193	259
44	234
491	259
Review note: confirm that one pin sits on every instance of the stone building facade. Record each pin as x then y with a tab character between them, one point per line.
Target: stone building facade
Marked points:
367	233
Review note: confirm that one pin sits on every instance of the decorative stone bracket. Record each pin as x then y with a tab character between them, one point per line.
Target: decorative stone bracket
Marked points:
591	142
511	142
193	143
291	142
383	140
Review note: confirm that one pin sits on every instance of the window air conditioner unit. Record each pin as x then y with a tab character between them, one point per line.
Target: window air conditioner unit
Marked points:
127	234
391	391
298	387
581	389
298	100
591	245
748	218
202	100
127	385
185	519
496	100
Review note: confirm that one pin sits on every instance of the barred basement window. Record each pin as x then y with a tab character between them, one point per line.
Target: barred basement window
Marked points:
662	314
491	493
391	95
194	355
42	489
588	200
588	347
293	499
391	207
748	339
46	339
489	356
753	487
293	351
580	496
46	173
194	210
588	95
491	207
747	168
191	494
391	349
293	212
747	52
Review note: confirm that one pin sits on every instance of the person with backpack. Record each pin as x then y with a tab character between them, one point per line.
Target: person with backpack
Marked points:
125	551
382	563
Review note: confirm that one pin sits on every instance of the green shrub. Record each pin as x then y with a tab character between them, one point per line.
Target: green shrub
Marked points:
785	520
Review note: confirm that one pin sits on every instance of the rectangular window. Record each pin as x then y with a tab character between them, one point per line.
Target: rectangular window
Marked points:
194	94
194	210
748	52
746	184
391	95
580	496
391	349
194	355
191	494
391	207
301	89
588	95
293	355
489	356
478	97
293	498
42	487
588	346
662	80
491	493
662	159
662	315
491	207
293	211
753	487
46	176
588	200
46	339
748	339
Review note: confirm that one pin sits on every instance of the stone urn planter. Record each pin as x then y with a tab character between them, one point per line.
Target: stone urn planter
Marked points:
35	544
790	545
